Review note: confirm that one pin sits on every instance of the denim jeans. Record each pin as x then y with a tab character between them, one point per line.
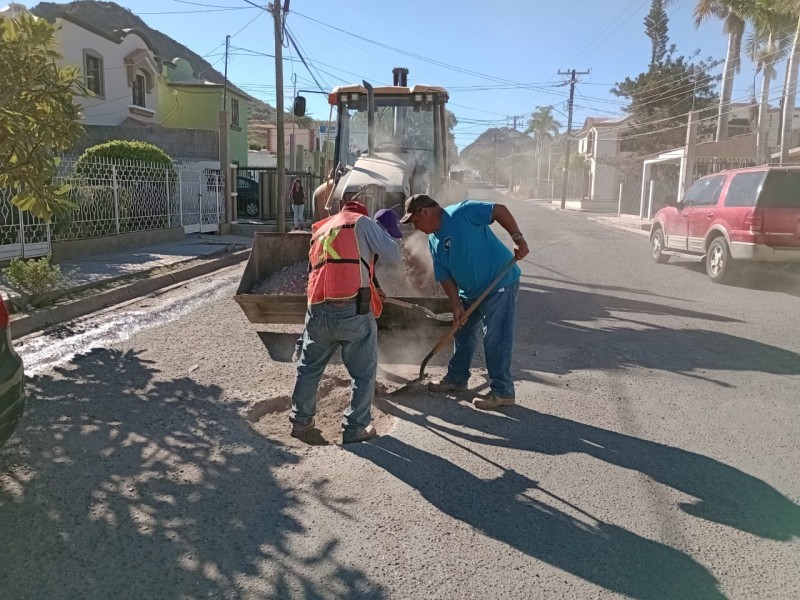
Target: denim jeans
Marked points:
495	318
297	210
328	327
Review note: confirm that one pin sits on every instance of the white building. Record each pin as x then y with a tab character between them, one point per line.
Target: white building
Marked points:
120	69
599	141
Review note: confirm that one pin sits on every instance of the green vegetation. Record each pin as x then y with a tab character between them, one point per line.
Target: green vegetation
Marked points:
123	150
38	279
38	117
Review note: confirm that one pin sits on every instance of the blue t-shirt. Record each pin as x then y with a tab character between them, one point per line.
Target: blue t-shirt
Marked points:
467	251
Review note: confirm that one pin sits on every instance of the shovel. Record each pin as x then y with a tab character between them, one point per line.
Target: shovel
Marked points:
456	326
428	313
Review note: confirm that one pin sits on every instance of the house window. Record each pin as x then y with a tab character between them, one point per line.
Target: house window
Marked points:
93	67
139	91
235	113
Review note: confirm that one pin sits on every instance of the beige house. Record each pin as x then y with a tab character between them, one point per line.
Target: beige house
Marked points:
120	69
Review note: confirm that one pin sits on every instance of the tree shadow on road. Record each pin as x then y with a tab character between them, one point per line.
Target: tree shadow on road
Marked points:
510	510
121	484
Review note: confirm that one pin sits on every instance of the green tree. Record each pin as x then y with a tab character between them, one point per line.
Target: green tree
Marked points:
38	117
656	25
660	100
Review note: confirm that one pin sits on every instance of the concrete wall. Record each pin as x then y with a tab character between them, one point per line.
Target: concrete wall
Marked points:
743	146
180	144
70	250
112	107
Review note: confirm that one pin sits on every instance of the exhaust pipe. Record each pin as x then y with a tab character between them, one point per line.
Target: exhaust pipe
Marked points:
400	76
370	117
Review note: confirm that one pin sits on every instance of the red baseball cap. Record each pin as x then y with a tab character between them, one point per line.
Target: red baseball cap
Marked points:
354	206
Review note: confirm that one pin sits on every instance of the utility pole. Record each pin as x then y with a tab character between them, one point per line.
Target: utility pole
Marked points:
572	81
281	149
494	161
224	146
689	154
514	118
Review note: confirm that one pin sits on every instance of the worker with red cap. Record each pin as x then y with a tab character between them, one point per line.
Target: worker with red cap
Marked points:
343	304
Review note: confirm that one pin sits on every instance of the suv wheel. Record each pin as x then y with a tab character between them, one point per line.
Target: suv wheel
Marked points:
657	247
720	267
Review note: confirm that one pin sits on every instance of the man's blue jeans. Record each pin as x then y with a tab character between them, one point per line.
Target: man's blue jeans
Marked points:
495	317
328	327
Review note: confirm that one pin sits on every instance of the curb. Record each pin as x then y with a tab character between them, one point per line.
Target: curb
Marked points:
79	308
614	225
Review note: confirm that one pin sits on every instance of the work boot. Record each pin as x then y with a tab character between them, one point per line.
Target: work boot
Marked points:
492	401
444	385
300	429
362	434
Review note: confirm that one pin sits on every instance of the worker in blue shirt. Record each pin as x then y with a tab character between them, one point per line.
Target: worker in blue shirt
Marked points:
467	256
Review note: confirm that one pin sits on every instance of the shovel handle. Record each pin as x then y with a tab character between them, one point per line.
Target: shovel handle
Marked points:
456	326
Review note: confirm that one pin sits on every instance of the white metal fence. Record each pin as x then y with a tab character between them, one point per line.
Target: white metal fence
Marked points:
113	197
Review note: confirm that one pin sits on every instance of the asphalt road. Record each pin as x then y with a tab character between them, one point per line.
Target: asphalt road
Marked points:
653	452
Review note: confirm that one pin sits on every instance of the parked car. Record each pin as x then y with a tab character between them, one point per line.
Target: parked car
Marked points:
732	218
247	196
12	384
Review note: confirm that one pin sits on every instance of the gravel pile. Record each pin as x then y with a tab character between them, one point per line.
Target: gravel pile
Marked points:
409	279
289	281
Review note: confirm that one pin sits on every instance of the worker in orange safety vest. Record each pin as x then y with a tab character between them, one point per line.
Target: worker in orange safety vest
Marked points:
343	304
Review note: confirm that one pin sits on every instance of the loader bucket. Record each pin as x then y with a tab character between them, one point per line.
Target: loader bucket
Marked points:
273	251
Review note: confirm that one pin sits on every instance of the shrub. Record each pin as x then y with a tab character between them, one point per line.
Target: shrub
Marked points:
125	150
37	279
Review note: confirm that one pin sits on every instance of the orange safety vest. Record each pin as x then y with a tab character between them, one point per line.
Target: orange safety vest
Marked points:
335	262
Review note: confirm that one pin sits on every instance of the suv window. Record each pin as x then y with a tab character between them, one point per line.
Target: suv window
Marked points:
743	190
781	190
692	195
710	194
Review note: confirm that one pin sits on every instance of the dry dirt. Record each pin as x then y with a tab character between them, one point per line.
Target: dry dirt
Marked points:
271	417
399	356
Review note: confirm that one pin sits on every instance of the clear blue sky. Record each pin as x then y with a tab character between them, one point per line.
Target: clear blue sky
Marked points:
518	41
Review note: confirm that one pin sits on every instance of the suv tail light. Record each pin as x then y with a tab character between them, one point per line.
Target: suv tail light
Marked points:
4	318
755	221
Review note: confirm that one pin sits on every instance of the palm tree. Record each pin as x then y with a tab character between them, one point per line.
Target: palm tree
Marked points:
543	125
734	26
790	96
769	42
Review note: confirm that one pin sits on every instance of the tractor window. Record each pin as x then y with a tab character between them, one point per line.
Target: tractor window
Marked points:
399	129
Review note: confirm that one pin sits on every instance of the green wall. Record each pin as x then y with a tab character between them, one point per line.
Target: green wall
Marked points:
197	107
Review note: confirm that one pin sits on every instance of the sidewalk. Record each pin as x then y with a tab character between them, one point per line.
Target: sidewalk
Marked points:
103	280
630	223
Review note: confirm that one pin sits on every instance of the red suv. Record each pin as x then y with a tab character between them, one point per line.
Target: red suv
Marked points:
733	217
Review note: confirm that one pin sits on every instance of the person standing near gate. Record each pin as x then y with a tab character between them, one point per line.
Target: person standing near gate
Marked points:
298	197
343	304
